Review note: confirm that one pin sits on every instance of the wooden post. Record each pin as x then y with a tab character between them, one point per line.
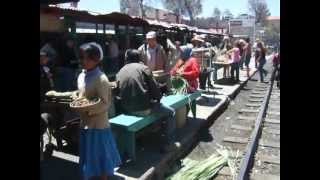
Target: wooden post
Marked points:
127	37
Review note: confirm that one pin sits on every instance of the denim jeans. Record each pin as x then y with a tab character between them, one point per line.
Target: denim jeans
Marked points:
242	58
235	67
114	65
261	70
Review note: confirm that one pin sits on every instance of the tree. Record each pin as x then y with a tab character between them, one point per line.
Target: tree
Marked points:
216	13
129	7
192	8
260	10
272	34
227	14
133	7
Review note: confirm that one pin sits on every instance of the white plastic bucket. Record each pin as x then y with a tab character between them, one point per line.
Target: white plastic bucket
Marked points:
181	116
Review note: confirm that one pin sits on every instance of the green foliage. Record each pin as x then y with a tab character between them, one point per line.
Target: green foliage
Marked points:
192	8
272	35
179	84
206	169
260	9
216	13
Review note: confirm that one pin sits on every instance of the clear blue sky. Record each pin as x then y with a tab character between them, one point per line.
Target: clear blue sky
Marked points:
235	6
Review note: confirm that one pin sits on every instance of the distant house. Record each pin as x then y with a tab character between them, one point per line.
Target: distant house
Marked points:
274	20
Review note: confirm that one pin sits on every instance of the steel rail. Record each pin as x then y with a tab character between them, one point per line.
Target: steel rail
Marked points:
252	145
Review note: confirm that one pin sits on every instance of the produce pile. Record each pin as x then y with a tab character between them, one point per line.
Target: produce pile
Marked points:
179	84
84	102
206	169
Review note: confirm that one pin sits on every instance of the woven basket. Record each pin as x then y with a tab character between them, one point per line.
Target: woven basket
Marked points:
161	76
222	59
85	108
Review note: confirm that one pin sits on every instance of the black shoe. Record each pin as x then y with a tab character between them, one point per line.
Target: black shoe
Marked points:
170	148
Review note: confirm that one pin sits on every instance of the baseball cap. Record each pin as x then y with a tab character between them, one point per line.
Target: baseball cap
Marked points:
151	34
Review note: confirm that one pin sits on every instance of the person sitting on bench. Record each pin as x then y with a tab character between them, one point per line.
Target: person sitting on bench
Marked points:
139	94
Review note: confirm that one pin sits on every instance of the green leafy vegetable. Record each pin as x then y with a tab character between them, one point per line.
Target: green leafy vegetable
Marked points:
206	169
179	85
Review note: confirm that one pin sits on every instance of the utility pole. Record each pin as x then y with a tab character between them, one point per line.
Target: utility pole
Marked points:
254	28
141	8
180	10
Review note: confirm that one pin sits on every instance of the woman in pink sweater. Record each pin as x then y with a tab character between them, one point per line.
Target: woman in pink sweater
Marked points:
235	59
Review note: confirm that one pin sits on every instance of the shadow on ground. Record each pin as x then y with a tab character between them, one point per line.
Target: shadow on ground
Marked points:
208	101
60	169
214	93
225	82
148	150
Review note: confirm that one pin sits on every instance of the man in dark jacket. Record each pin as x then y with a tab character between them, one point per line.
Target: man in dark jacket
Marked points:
46	82
139	93
67	66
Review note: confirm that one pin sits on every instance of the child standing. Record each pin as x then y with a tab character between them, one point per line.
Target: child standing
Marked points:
98	153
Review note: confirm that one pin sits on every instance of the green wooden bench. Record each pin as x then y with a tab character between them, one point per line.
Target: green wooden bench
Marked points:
126	126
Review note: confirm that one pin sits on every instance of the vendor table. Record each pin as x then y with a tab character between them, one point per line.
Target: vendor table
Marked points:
216	66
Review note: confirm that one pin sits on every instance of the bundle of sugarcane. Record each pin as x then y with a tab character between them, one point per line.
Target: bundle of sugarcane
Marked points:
206	169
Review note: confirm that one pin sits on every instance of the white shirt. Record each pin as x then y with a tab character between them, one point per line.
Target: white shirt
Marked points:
151	60
114	50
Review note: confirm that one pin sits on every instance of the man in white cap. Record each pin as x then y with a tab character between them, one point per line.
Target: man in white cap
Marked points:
153	54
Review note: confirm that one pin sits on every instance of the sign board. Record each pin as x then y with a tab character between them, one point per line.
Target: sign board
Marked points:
248	22
235	22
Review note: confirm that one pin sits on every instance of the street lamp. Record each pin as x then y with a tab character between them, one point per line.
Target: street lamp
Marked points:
254	27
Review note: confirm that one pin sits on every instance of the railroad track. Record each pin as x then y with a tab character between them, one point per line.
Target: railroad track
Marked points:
266	161
256	134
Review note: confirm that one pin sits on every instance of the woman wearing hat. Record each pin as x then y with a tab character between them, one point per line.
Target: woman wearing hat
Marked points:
197	41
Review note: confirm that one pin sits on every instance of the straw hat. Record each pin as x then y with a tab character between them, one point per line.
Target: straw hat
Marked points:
241	41
197	38
226	38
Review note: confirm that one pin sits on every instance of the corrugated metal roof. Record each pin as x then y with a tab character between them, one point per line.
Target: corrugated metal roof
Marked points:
56	1
82	15
119	18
